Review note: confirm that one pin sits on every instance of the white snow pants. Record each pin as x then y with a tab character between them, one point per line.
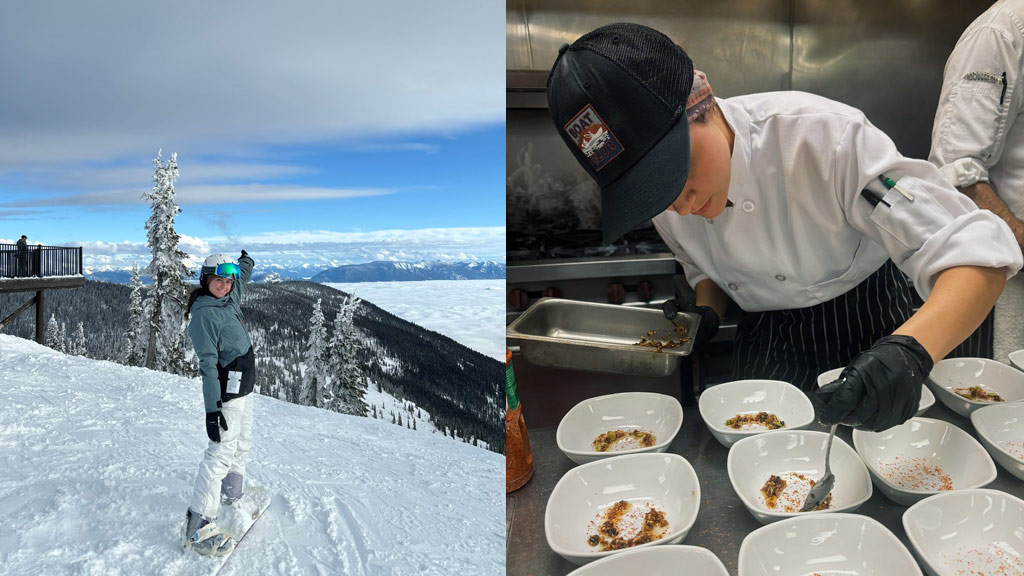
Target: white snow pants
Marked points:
224	459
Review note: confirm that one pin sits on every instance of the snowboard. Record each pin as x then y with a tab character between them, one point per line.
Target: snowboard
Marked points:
236	521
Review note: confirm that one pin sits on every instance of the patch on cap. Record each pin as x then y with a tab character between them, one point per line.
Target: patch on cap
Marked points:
593	137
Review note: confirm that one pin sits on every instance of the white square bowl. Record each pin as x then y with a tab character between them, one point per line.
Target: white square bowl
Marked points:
752	460
666	481
1001	430
909	452
827	544
658	561
659	414
968	532
1017	359
997	377
927	398
723	401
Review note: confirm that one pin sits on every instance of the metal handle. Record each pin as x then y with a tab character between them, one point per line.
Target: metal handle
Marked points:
828	448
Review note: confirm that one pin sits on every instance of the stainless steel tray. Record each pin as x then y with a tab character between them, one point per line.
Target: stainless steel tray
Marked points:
597	337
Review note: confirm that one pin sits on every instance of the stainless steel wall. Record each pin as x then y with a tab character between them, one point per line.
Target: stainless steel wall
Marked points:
885	58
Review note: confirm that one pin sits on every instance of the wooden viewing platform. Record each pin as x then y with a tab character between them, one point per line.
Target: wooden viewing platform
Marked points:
37	269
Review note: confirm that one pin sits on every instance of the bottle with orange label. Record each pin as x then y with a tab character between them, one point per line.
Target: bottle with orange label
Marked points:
518	457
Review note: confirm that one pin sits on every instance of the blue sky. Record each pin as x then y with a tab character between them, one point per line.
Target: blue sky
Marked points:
308	126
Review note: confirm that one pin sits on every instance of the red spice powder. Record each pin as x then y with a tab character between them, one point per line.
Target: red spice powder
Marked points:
916	474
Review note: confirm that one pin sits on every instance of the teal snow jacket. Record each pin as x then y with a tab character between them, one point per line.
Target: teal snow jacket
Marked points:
218	335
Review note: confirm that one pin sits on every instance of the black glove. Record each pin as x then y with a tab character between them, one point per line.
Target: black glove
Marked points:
245	254
708	326
881	387
214	422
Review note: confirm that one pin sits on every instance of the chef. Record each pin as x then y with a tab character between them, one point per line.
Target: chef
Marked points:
792	206
978	141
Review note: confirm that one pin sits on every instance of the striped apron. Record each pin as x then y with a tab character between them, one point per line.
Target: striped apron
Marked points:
798	344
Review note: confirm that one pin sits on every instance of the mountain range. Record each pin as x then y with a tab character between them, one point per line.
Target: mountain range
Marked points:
379	271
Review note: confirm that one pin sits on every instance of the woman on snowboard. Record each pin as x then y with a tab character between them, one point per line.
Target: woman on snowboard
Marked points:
228	370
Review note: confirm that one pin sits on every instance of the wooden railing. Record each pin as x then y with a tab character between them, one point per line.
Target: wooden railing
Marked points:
41	261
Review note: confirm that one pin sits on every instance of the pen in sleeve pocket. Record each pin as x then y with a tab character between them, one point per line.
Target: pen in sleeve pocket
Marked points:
890	184
1003	95
873	198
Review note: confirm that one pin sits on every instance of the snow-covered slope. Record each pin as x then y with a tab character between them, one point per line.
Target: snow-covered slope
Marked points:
97	462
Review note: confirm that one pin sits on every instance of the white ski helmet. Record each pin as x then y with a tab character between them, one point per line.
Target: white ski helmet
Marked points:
219	265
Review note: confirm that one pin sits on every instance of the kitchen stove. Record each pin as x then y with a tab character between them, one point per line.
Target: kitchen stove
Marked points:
636	270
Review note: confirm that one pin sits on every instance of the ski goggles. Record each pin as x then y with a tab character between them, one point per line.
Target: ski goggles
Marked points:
225	270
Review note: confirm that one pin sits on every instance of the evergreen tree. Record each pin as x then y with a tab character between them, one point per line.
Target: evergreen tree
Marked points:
399	419
77	345
134	346
413	423
350	390
167	298
315	387
54	336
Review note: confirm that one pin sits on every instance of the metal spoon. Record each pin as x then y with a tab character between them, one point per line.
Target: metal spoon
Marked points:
822	487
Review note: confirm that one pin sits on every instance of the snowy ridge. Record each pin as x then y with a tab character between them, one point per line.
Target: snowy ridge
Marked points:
99	458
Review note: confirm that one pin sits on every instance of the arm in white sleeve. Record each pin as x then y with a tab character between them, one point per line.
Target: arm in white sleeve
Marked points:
937	230
977	104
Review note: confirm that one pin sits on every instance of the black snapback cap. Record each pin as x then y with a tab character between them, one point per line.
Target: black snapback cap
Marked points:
617	96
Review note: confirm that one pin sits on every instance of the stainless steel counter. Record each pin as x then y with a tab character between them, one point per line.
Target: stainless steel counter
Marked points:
722	522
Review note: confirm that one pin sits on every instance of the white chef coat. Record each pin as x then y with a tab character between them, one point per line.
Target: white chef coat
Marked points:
799	232
977	135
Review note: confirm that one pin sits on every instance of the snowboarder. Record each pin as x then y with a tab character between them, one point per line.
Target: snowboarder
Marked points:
228	371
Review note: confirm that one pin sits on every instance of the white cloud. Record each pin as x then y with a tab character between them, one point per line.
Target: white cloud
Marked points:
318	249
213	194
113	78
142	174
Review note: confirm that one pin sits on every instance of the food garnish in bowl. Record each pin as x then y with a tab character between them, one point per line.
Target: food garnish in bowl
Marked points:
758	421
978	394
788	492
623	440
623	525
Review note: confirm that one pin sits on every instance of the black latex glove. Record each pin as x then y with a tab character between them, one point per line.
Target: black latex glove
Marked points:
881	388
708	326
214	422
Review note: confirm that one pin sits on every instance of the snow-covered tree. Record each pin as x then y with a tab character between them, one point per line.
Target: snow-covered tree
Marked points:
350	389
134	346
165	306
55	334
315	386
76	344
